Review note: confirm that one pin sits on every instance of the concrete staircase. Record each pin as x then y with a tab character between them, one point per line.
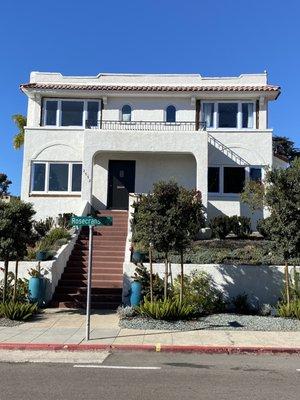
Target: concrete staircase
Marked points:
107	275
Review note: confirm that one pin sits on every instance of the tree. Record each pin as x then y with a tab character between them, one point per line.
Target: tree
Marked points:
168	218
283	146
15	233
4	185
282	197
20	122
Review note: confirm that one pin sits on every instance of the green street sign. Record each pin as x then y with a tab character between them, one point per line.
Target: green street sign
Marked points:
91	221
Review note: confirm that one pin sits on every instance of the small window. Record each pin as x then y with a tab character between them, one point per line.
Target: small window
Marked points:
71	113
171	114
228	115
76	177
213	179
39	173
208	114
247	115
255	174
58	177
234	179
92	113
126	113
51	112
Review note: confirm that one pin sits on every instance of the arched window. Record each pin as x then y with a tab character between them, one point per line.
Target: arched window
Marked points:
126	113
171	114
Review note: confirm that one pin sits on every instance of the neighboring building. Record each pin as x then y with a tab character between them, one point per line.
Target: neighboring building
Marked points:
97	139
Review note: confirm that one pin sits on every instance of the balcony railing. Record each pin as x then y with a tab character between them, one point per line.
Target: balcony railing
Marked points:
147	125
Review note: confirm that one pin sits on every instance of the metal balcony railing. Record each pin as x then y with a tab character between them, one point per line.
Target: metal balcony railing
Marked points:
147	125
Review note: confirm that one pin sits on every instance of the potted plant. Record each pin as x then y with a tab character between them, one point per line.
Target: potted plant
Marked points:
36	285
135	292
138	253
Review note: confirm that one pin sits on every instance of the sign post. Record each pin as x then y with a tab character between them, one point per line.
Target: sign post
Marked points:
90	222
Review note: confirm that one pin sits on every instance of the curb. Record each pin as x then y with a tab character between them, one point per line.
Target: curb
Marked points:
157	348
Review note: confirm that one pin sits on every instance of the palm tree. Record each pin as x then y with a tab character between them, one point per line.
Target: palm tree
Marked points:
21	122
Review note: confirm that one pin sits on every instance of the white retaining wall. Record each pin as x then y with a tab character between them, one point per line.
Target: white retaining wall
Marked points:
53	268
263	284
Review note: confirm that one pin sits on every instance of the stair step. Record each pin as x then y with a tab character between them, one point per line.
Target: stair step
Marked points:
75	284
96	270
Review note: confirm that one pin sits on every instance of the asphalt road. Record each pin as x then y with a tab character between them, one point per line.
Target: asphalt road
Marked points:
178	376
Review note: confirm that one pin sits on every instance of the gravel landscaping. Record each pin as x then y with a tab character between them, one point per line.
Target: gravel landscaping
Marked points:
232	322
9	323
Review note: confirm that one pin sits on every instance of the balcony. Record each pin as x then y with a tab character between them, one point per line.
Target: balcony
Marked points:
147	126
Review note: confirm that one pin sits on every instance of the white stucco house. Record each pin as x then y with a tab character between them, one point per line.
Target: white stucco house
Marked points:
95	139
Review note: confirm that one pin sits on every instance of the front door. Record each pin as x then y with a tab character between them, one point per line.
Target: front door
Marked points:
121	178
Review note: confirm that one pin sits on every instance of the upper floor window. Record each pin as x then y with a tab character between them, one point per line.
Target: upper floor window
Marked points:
126	113
171	114
72	113
236	115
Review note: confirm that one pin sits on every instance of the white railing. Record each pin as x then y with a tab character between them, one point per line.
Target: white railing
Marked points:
147	125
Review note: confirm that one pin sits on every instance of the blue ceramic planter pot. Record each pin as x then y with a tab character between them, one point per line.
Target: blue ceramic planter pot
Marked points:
36	288
41	255
138	257
135	294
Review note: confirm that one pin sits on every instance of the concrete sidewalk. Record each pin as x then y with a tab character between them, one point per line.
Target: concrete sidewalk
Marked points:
67	327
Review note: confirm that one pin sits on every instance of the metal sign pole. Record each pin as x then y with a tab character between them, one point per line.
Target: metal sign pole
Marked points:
89	284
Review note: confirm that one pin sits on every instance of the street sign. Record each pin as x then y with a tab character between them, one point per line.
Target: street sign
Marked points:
90	222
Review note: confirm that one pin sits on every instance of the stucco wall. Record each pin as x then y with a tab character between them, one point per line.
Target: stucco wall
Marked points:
150	168
263	284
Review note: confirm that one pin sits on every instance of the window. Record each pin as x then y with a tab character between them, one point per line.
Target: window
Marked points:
234	179
247	115
227	115
71	113
76	177
38	182
51	113
208	113
233	115
56	177
126	113
255	174
171	114
92	113
213	179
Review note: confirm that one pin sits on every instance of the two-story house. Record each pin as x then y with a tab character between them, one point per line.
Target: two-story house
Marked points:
93	140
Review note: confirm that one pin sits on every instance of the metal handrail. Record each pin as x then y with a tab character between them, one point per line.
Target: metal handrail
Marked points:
147	125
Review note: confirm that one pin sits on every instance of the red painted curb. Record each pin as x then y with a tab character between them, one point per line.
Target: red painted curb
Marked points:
150	347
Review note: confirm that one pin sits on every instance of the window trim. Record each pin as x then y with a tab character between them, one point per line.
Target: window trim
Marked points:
47	171
239	114
59	112
221	178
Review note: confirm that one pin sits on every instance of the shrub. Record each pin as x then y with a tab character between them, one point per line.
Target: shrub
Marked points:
22	288
43	227
142	275
168	309
64	220
18	311
201	292
53	237
263	227
240	226
291	310
241	304
220	226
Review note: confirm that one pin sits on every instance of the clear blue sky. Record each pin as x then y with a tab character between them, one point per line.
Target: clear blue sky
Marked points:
213	38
